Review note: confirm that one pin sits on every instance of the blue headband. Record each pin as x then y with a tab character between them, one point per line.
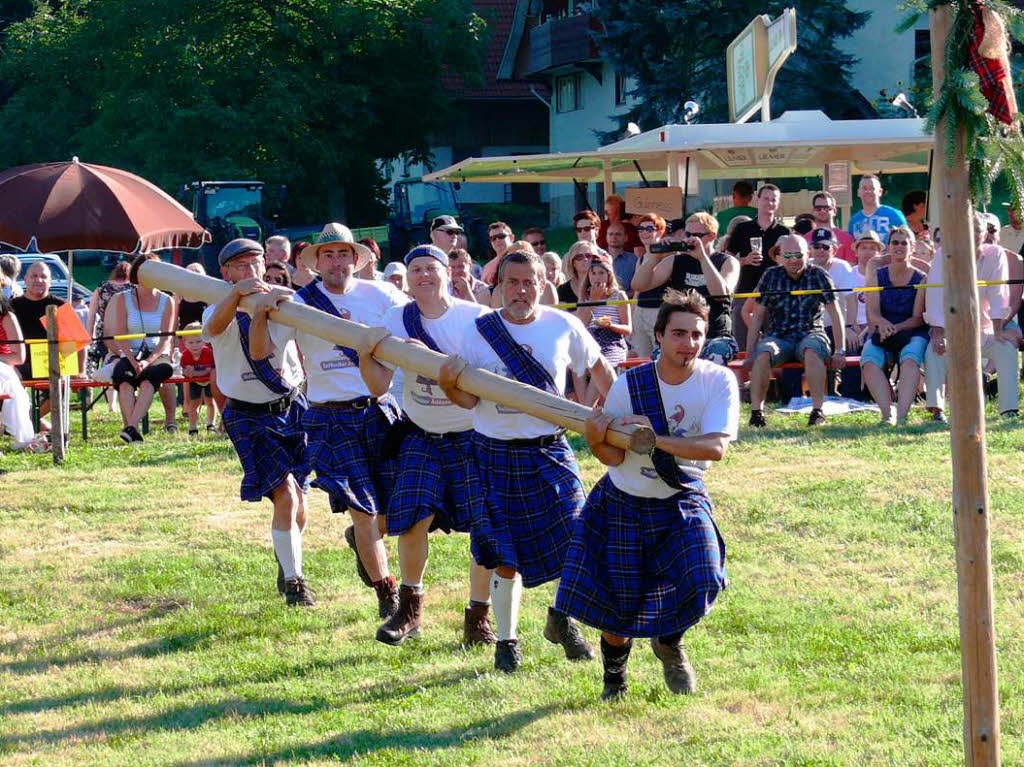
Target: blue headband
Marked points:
427	251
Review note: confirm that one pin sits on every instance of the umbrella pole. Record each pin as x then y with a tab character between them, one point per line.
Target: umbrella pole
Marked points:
71	275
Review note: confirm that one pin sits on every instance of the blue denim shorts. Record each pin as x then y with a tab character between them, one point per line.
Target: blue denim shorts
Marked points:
783	350
721	350
914	350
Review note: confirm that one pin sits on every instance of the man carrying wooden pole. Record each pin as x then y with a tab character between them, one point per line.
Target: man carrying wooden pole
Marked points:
967	424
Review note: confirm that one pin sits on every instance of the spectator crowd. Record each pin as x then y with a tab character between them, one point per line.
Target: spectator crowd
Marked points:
613	279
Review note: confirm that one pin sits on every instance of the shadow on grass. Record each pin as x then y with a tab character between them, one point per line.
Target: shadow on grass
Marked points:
364	742
188	717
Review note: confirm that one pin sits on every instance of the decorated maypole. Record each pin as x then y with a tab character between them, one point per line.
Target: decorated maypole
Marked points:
974	116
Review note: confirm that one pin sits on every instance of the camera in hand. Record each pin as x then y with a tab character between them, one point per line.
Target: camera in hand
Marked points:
672	247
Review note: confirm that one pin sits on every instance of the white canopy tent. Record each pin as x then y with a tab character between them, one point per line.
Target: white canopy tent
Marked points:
797	144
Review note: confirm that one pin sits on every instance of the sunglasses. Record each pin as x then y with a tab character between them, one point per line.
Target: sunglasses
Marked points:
822	246
280	280
905	243
792	256
452	232
540	244
695	234
647	228
495	237
584	228
823	207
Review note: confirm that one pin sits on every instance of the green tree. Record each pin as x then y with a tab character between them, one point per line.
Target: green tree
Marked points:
674	50
309	93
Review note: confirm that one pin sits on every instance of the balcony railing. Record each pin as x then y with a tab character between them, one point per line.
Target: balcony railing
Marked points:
561	42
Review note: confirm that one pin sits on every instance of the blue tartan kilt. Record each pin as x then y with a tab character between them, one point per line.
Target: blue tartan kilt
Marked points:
345	451
643	567
269	447
532	498
436	475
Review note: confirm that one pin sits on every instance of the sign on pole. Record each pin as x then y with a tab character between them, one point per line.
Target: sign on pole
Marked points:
838	181
667	202
752	61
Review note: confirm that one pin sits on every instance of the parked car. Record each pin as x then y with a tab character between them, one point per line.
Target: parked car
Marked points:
58	269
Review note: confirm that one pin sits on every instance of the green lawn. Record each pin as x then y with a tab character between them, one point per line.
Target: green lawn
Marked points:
139	624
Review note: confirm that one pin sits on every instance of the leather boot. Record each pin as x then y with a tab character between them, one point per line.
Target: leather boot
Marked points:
406	620
679	674
614	659
561	629
476	626
387	597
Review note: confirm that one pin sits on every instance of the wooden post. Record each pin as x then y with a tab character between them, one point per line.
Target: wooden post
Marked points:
57	424
481	383
967	426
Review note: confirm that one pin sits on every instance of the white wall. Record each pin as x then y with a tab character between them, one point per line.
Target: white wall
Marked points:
885	56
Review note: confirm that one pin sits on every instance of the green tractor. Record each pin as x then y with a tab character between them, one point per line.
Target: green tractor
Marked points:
227	209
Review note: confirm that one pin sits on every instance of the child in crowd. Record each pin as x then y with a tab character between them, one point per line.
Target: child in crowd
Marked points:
197	362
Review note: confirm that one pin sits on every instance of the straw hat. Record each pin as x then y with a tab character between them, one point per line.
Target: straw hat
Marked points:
870	236
335	233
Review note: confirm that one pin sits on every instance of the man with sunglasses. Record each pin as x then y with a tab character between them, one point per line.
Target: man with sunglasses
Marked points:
825	218
535	236
444	233
263	417
587	226
696	266
499	235
794	329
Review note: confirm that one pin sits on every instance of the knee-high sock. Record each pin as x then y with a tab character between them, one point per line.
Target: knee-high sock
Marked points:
288	547
506	594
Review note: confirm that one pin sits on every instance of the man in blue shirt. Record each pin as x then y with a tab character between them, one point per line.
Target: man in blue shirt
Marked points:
874	216
623	261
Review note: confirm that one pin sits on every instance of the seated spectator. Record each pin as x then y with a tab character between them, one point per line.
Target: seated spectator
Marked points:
537	239
15	412
277	250
30	308
742	195
548	294
369	270
444	233
395	273
725	241
824	252
575	268
993	305
825	208
651	228
1011	236
587	226
874	216
913	207
499	235
275	274
146	362
10	267
869	251
197	362
899	333
610	325
793	327
624	260
695	266
464	284
615	213
553	268
303	274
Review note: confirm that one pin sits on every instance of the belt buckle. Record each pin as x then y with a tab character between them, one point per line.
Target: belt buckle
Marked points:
360	404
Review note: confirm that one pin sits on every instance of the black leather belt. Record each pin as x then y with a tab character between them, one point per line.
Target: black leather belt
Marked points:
359	403
275	407
550	439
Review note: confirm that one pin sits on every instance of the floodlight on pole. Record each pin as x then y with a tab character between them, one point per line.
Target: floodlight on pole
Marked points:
632	129
690	111
902	103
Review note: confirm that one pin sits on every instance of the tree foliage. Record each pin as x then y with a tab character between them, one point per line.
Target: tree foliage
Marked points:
308	93
675	50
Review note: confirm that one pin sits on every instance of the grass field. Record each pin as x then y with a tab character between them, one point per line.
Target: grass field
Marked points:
139	624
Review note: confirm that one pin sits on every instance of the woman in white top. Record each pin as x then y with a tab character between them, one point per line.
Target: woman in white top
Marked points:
145	363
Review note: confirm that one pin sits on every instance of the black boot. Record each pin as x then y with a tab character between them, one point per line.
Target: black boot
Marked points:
679	674
297	593
406	620
507	656
614	659
561	629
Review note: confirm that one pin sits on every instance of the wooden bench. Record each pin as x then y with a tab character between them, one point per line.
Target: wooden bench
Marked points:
82	385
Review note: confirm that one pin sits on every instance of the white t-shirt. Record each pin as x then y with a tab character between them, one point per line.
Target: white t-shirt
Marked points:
842	275
234	373
708	402
557	340
331	375
858	280
422	399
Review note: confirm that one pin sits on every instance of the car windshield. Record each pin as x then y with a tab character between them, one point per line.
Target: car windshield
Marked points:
224	202
426	200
